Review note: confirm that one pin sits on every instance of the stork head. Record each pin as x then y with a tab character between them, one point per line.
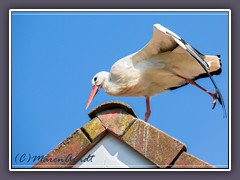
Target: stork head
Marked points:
97	82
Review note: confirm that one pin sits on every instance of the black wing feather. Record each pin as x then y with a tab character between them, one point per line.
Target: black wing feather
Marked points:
205	66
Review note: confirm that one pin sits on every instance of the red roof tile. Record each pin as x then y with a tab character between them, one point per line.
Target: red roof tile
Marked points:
119	119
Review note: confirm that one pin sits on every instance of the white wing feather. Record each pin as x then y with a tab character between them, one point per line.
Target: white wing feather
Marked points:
160	42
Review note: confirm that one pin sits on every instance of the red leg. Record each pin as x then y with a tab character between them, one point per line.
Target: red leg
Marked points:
214	96
147	114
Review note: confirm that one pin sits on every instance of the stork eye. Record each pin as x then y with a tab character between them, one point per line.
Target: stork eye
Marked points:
95	79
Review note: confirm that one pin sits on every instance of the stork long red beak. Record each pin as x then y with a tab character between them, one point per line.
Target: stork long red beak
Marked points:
94	91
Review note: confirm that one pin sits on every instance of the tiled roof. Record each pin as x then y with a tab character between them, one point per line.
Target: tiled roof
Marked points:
119	119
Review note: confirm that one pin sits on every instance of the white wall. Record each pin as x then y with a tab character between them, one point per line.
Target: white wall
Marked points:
112	153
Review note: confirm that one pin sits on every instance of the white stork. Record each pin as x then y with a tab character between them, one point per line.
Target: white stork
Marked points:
167	62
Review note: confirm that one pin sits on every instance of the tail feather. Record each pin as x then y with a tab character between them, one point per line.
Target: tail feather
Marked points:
215	66
214	62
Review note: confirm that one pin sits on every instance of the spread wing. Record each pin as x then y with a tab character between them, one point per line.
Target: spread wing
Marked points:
165	40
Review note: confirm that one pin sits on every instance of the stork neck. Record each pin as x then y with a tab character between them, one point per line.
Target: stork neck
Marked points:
110	87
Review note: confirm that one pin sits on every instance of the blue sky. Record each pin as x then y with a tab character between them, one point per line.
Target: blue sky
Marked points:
56	54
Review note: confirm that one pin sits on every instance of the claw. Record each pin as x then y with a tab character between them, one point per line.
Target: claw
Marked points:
214	103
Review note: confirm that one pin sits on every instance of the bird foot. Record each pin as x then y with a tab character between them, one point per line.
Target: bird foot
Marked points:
214	96
147	114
